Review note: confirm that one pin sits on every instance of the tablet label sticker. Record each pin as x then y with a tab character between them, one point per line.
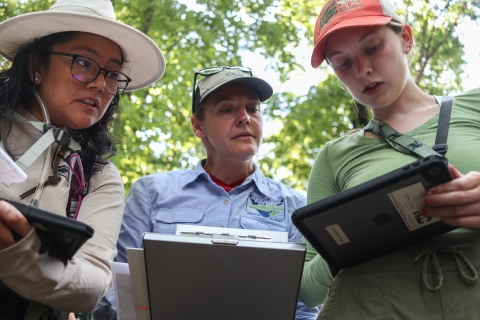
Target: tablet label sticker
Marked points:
337	234
408	201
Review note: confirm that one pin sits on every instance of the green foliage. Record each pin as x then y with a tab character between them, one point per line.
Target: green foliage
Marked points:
154	123
311	120
327	112
438	58
153	126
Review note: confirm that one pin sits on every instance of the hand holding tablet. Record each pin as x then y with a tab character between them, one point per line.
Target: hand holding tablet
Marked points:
376	217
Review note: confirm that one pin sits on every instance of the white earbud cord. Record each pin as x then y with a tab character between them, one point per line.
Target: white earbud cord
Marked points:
47	126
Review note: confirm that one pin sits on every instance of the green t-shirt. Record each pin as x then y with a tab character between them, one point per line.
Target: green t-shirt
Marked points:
353	159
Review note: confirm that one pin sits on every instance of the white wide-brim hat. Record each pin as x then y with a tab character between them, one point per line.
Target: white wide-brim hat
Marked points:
144	62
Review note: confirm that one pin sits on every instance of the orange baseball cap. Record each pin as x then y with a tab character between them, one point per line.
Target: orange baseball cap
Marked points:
341	14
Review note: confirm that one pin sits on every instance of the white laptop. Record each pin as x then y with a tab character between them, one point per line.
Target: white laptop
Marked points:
220	276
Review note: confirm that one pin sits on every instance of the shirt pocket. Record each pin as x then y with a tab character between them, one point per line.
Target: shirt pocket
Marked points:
167	219
259	223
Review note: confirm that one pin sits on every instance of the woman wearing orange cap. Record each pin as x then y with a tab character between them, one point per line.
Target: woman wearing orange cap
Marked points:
366	45
68	66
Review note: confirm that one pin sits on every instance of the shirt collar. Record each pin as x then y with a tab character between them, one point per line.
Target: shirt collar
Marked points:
256	177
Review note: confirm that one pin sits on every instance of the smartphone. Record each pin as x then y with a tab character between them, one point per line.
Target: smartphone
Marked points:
61	236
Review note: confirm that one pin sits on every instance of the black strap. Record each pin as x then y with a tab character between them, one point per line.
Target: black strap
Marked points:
408	145
443	125
401	142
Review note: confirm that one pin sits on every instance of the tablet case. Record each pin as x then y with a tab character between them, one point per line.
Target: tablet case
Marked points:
376	217
201	278
60	236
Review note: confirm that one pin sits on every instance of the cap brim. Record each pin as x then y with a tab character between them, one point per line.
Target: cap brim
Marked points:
261	87
144	63
317	55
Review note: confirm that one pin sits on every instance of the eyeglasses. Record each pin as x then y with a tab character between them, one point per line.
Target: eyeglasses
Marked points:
85	70
210	72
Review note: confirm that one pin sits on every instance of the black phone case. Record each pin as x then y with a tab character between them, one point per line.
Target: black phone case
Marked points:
422	166
60	236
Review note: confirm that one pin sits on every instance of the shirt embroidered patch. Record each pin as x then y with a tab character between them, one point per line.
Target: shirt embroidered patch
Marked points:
338	7
267	208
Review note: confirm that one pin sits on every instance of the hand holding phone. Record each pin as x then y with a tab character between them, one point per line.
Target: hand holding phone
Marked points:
13	225
61	236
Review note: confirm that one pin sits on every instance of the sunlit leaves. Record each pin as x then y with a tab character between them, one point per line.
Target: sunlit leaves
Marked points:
153	126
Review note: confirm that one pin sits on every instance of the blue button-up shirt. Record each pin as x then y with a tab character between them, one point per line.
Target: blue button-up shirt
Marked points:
157	203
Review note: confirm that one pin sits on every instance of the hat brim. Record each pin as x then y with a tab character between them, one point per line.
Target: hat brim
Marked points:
144	62
318	54
261	87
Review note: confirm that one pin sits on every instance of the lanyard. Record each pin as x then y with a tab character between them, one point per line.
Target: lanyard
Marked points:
408	145
49	137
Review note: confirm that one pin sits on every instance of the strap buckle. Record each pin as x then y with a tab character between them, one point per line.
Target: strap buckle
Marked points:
62	137
441	148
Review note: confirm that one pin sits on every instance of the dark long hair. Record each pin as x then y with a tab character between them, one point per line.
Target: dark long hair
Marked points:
97	141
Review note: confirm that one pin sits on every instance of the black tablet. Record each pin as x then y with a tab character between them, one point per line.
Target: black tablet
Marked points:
60	236
375	217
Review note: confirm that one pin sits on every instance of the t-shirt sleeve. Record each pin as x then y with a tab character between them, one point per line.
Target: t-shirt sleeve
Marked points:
316	277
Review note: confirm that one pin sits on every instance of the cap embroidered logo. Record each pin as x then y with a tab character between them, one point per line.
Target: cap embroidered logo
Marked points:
339	7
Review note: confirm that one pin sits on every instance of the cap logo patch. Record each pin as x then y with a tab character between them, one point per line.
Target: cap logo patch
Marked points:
337	7
235	73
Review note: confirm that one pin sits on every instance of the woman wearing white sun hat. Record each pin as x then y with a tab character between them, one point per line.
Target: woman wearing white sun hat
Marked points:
69	65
